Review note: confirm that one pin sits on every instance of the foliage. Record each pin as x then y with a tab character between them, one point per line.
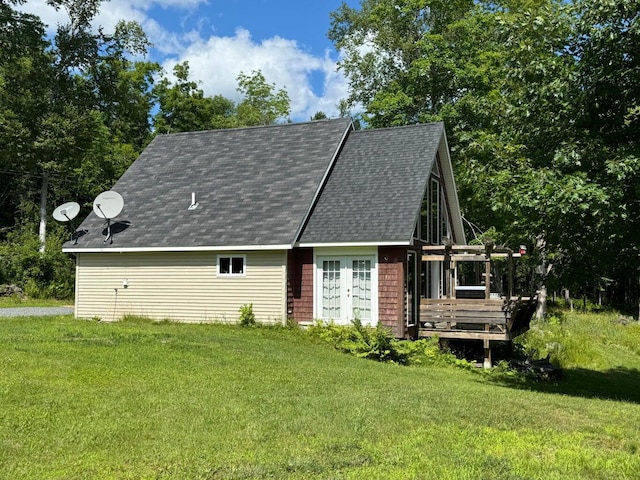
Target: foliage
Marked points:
41	275
183	107
428	352
164	400
375	343
378	343
247	317
540	103
261	104
598	341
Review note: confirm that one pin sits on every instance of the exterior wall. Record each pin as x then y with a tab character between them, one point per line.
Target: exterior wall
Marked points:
391	288
391	302
300	284
181	286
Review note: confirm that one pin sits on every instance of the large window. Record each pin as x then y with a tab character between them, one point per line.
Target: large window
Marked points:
231	265
434	211
433	218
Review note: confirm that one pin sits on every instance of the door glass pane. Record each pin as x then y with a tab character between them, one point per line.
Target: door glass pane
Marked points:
331	289
361	289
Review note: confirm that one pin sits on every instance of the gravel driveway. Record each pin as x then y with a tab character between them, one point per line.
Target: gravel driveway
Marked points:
35	311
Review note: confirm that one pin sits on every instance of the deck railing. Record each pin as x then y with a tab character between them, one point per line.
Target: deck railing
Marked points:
482	319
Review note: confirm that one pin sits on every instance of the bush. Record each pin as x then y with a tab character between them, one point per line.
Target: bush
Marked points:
374	343
247	317
427	351
50	274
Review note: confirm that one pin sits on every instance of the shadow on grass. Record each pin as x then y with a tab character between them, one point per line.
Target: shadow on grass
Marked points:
620	384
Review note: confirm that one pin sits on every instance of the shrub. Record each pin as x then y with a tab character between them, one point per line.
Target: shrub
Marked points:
247	317
374	343
427	351
49	274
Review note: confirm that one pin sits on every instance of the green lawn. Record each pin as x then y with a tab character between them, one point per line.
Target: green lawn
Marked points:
83	399
15	301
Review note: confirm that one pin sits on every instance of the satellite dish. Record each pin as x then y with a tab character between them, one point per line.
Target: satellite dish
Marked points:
108	204
66	212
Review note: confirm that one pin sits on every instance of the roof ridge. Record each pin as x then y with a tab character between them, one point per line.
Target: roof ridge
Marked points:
254	127
399	127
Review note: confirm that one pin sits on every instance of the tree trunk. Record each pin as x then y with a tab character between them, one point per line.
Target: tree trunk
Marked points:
541	308
43	210
567	299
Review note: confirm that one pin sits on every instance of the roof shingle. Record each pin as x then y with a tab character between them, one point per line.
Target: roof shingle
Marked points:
376	187
254	187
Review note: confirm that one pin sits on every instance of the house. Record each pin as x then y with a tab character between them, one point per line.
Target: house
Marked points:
305	221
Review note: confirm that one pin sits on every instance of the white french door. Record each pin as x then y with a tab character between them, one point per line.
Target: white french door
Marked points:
346	288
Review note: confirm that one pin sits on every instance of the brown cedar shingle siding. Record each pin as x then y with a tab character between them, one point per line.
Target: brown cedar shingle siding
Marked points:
300	284
391	261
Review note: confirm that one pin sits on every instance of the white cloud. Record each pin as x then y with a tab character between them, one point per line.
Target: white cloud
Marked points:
216	61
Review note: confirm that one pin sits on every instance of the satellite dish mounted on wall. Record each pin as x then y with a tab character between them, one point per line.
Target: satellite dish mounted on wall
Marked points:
108	205
66	213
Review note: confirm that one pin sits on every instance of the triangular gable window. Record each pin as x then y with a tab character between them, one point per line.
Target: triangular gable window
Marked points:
433	224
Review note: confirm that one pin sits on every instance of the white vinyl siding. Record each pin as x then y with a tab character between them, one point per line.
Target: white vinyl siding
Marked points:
181	286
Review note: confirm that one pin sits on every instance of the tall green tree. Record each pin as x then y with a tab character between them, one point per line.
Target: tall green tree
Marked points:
261	103
74	109
183	107
540	101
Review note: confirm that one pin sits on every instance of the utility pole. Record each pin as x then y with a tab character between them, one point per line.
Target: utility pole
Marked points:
43	210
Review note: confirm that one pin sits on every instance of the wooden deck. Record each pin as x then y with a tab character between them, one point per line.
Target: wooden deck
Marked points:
475	319
476	303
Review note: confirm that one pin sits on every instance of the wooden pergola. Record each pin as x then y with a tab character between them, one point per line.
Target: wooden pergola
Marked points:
474	312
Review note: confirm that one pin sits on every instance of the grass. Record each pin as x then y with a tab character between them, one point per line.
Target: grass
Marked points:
137	399
15	301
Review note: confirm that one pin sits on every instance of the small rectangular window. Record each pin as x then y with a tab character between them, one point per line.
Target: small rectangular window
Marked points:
231	265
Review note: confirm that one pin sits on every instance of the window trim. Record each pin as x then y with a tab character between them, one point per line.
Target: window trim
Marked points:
231	257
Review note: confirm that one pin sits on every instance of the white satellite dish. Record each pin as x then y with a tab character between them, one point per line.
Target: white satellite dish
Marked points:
108	204
66	212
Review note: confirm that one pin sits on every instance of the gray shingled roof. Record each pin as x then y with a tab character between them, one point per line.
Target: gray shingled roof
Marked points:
254	186
376	187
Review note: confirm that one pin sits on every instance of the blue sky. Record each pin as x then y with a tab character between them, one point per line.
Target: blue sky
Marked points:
285	39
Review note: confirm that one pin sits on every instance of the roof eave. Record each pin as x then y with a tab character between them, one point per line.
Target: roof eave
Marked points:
204	248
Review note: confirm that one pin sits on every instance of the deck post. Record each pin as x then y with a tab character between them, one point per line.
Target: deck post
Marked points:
446	284
487	354
510	274
487	269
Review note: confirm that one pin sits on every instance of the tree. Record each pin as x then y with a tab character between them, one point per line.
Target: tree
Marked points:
183	107
540	102
261	105
319	115
73	110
